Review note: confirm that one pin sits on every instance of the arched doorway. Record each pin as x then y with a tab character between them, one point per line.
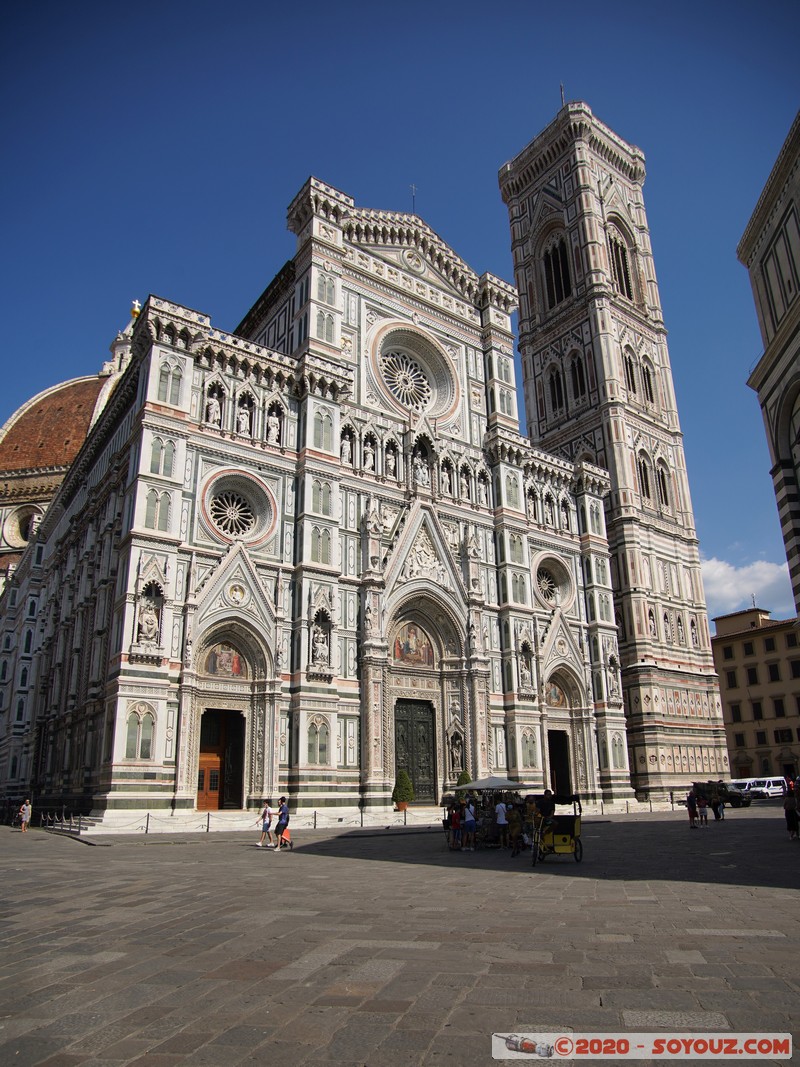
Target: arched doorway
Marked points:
415	746
221	761
224	702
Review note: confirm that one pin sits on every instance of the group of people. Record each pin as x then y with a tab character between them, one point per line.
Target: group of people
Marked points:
281	838
697	805
506	821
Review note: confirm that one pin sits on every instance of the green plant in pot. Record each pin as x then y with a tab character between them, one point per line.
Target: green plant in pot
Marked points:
403	792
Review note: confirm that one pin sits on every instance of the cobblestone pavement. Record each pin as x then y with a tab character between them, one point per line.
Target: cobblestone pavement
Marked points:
363	950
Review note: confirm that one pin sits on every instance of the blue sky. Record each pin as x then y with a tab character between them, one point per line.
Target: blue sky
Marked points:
154	148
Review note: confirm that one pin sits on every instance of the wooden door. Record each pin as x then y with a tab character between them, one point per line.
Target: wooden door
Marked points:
209	782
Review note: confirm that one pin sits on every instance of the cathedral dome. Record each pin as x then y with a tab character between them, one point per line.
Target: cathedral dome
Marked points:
48	430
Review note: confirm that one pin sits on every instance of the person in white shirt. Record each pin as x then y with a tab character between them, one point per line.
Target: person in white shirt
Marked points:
266	823
502	823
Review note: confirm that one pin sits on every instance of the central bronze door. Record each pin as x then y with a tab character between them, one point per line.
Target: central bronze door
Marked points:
414	746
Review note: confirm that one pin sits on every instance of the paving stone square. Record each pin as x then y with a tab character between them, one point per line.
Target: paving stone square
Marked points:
373	948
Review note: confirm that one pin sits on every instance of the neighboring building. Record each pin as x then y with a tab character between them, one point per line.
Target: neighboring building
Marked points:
758	662
304	555
598	387
770	249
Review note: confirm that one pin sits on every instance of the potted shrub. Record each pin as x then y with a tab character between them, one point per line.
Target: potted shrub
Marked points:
403	792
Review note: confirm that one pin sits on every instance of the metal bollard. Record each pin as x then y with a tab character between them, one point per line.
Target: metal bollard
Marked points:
315	820
208	823
80	824
147	824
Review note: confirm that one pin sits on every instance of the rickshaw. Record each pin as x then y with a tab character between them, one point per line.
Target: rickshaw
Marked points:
559	835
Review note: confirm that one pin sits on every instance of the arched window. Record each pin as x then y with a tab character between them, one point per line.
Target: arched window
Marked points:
556	273
578	378
324	326
28	640
556	389
321	498
23	678
320	545
630	374
644	477
169	384
323	430
618	255
3	670
529	758
155	455
163	512
647	384
151	510
663	486
140	736
326	289
20	709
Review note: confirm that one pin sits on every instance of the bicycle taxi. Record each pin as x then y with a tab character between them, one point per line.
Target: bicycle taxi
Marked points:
558	834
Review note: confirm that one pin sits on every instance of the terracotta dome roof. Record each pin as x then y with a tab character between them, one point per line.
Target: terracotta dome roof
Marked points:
49	429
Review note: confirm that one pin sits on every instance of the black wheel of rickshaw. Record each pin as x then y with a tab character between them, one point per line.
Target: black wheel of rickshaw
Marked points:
578	850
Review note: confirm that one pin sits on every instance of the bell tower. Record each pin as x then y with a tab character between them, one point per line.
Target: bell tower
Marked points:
598	387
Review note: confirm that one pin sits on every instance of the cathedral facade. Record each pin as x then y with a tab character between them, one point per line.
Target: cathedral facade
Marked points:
309	553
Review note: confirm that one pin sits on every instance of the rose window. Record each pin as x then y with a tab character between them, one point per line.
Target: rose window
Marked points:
232	513
406	379
547	584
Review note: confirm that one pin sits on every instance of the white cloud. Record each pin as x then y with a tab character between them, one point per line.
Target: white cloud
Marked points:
730	588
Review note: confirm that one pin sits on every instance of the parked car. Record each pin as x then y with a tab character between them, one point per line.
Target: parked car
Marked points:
727	793
767	787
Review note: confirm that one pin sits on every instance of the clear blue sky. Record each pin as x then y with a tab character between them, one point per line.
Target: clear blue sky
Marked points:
154	147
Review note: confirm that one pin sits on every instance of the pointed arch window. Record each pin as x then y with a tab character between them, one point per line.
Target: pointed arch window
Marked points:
169	384
512	491
139	736
318	743
618	254
556	389
647	384
320	545
557	283
162	457
578	378
326	289
644	477
321	498
662	481
630	374
323	430
324	326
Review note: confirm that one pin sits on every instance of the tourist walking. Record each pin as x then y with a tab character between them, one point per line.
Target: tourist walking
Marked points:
266	822
283	822
25	813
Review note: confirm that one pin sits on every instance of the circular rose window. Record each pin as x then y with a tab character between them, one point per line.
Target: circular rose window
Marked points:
547	584
406	379
553	583
232	513
413	372
237	506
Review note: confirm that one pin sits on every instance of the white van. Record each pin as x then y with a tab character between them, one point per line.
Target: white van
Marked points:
768	787
744	783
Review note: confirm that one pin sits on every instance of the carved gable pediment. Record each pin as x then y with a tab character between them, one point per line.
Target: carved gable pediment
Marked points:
422	555
559	646
234	590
